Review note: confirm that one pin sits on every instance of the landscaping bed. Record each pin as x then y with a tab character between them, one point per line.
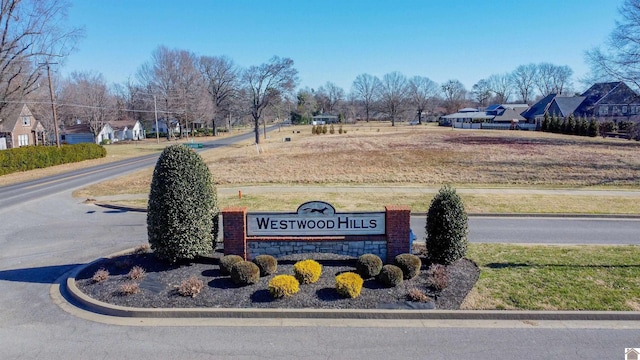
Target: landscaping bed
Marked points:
158	287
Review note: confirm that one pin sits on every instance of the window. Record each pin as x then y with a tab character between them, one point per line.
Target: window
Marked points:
23	140
26	121
604	110
624	109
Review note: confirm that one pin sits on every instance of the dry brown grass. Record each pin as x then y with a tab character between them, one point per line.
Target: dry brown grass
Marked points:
429	156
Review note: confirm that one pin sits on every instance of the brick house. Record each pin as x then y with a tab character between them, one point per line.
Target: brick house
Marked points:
20	128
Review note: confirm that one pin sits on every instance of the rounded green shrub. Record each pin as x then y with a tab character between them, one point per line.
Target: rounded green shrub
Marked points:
227	262
182	210
409	264
349	284
245	273
390	275
283	285
307	271
267	264
446	227
369	265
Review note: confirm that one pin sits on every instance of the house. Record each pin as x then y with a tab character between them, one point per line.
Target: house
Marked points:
162	126
632	354
127	129
81	133
604	101
324	119
20	128
498	116
610	100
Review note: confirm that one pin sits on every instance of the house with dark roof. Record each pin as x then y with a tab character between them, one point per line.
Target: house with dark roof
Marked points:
612	100
20	128
82	133
604	101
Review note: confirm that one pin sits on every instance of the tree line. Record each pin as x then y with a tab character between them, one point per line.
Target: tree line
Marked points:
215	92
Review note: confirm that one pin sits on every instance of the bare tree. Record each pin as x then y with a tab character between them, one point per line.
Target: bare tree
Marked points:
221	77
85	96
34	34
330	95
394	90
481	92
454	95
366	87
264	83
553	78
173	75
422	92
619	59
524	77
502	86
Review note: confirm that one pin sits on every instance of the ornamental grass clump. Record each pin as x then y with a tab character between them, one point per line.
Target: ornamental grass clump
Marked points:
129	288
245	273
437	276
182	211
136	273
227	262
369	265
267	264
307	271
390	275
446	227
190	287
100	275
409	264
417	295
283	285
349	284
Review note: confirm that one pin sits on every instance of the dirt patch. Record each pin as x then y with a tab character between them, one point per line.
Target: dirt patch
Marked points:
158	287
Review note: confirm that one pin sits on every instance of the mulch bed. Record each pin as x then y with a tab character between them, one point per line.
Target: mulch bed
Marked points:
158	288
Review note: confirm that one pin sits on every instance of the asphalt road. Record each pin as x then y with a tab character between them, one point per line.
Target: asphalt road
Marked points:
46	233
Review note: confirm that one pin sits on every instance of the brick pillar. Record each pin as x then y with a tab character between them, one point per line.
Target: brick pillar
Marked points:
234	228
398	227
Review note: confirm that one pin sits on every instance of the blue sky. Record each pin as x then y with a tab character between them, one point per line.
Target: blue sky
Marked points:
337	40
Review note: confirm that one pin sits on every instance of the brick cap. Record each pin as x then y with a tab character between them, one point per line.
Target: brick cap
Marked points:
397	208
231	209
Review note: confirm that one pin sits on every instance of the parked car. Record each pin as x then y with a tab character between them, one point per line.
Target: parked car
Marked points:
414	122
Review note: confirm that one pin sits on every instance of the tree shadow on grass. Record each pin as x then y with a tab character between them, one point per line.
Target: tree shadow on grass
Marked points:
577	266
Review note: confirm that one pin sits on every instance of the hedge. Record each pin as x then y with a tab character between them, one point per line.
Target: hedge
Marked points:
37	157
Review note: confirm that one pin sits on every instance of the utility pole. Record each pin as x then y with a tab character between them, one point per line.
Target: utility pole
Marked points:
53	105
155	110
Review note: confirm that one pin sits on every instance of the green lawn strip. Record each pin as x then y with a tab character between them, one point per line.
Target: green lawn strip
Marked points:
556	277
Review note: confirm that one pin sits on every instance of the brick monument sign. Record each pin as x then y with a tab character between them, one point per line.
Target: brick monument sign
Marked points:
317	227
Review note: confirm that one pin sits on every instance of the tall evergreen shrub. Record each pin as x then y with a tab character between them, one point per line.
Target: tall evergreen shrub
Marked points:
447	227
182	211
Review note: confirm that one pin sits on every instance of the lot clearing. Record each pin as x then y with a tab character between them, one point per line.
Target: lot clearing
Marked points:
403	158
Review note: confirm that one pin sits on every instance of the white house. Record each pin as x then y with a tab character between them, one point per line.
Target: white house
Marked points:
128	129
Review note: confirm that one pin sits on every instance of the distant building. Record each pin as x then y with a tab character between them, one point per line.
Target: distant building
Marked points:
324	119
498	116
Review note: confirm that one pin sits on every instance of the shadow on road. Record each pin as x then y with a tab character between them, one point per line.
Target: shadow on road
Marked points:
40	275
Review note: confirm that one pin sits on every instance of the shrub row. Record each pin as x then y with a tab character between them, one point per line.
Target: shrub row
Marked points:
37	157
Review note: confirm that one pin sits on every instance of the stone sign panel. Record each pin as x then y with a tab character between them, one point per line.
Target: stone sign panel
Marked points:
315	218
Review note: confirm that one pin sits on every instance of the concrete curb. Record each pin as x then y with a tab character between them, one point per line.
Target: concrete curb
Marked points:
84	302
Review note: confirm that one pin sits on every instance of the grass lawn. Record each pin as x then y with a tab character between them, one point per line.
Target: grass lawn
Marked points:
555	277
